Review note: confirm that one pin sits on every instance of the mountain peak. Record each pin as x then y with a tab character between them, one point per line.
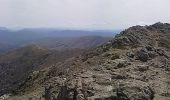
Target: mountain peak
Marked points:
160	25
144	35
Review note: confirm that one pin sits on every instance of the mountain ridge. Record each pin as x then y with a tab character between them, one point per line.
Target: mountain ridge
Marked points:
132	66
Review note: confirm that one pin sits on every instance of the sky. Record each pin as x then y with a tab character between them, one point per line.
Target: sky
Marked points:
83	14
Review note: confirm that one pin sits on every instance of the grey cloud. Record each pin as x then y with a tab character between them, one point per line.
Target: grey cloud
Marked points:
93	14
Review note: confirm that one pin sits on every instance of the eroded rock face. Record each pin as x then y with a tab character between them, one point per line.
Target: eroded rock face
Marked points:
134	92
54	89
123	80
99	86
147	53
142	55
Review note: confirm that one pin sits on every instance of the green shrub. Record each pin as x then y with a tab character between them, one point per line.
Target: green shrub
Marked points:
120	65
115	56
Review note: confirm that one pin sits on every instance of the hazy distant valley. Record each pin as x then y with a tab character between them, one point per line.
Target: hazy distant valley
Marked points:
52	38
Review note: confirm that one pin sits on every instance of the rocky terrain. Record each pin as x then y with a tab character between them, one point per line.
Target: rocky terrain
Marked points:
15	66
135	65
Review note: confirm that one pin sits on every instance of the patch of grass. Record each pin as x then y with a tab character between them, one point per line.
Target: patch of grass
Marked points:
135	46
105	48
108	67
104	83
107	54
115	56
120	65
164	43
123	47
165	94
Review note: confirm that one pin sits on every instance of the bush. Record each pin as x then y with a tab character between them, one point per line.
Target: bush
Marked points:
115	56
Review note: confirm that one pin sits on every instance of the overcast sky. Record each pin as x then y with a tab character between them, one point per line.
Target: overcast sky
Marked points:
83	14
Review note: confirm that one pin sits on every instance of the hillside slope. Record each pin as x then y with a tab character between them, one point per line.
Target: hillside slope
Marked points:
133	66
85	42
16	65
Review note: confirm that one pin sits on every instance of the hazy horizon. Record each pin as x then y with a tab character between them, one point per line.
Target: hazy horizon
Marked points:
82	14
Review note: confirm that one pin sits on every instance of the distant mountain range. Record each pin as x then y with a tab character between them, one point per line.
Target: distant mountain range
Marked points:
13	39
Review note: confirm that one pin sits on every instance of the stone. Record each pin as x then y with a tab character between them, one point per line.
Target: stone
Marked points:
142	55
131	54
142	68
5	96
130	92
119	76
149	48
121	63
152	54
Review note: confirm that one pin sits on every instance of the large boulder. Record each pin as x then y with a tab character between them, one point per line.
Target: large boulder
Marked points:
134	92
142	55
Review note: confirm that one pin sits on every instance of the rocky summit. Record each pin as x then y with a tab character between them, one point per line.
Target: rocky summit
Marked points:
135	65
